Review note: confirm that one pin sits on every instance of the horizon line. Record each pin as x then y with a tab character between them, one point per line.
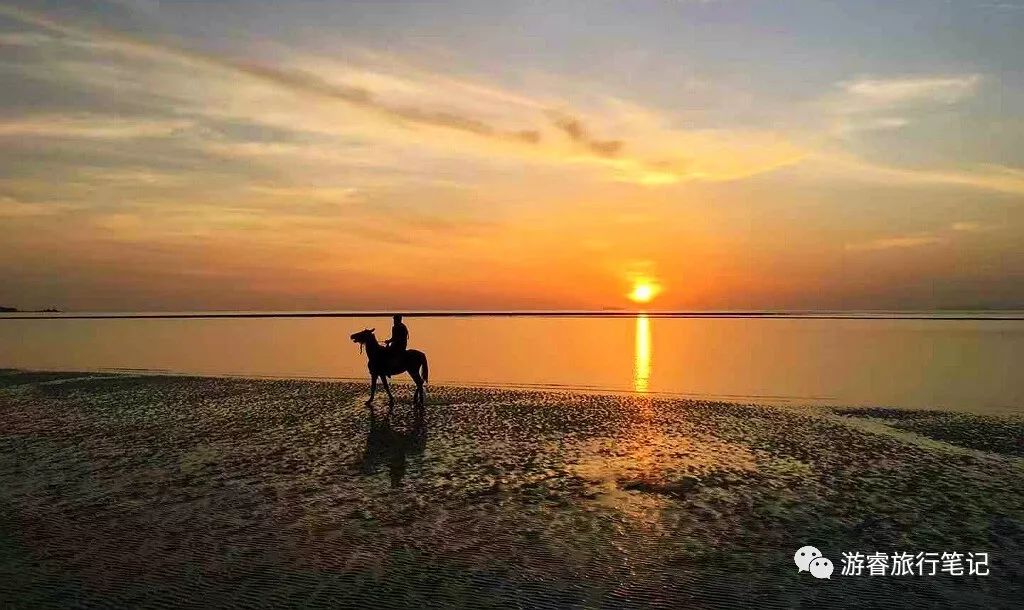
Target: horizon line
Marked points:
903	314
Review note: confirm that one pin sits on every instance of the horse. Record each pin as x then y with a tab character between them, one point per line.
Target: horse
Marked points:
382	364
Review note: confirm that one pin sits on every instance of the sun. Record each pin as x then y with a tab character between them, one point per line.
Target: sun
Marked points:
644	290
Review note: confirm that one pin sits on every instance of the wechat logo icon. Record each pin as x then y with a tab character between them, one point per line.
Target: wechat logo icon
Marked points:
809	559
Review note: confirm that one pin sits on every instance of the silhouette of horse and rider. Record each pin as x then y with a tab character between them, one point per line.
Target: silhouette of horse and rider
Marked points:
393	358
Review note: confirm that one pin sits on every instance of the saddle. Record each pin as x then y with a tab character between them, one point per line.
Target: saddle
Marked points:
393	357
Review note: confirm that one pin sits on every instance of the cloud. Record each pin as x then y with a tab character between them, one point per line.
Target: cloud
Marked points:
893	243
988	177
11	207
130	176
297	81
338	195
147	7
971	227
918	240
24	39
879	104
1001	6
535	133
310	84
579	134
89	126
872	104
848	125
878	92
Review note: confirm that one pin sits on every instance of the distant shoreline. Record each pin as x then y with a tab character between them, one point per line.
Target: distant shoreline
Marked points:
1007	314
16	310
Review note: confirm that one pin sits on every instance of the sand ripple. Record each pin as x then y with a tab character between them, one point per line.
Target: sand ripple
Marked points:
148	491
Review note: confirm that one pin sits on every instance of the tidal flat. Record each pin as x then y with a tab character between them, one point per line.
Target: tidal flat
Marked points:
121	490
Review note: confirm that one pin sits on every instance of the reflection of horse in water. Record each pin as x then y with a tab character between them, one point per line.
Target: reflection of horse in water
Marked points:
385	442
383	363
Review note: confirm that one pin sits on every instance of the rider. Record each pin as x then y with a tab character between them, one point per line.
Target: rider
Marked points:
399	340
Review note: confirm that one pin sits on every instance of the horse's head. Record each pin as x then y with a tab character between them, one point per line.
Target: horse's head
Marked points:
364	337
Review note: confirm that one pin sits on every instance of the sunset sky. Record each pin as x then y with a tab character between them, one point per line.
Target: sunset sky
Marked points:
730	154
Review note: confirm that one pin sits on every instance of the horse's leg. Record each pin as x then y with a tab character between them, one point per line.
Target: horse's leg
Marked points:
373	389
387	388
417	396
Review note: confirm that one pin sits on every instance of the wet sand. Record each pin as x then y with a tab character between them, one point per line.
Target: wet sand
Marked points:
159	491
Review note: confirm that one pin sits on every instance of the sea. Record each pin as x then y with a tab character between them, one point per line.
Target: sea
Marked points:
963	360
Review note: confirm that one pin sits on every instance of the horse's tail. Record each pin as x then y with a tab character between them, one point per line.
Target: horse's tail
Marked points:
426	371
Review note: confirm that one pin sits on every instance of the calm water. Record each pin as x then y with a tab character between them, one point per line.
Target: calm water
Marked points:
968	364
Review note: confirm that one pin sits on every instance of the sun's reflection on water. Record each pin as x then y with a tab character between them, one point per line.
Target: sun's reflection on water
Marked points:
642	354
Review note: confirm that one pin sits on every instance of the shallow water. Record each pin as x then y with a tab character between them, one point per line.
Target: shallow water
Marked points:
922	362
152	491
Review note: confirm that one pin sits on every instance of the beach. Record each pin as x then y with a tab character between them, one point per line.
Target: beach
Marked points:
154	491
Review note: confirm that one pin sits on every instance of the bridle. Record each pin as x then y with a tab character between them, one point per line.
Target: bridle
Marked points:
365	337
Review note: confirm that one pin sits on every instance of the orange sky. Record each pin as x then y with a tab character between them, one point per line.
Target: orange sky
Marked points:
347	157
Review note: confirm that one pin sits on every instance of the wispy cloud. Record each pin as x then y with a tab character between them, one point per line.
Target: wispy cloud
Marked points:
89	126
900	242
921	239
400	110
545	136
888	92
24	39
579	134
885	123
1001	6
971	227
296	80
986	177
11	207
868	104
